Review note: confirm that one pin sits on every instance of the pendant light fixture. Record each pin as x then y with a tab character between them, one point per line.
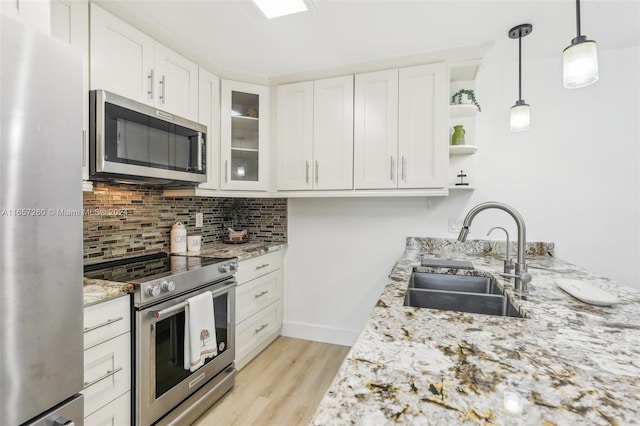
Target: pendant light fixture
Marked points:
520	111
580	59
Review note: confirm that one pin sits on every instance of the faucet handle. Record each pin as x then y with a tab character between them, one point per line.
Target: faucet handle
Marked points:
508	265
525	277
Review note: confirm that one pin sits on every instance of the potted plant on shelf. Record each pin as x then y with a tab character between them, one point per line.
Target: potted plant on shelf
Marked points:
465	96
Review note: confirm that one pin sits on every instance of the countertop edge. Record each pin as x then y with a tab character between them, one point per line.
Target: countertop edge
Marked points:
96	291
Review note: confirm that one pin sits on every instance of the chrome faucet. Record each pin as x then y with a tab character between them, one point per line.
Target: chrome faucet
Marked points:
508	263
522	277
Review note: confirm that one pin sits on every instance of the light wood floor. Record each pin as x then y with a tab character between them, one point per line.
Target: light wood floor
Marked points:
282	386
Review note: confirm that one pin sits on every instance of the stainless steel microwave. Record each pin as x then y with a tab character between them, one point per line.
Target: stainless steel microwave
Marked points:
133	142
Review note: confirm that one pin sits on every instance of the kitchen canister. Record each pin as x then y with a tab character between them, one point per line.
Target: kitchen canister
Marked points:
178	238
194	242
458	135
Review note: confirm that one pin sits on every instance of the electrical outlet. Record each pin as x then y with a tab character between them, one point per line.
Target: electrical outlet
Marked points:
455	224
199	220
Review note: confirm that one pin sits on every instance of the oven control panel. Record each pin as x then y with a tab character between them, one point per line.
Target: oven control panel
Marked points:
228	267
165	286
183	280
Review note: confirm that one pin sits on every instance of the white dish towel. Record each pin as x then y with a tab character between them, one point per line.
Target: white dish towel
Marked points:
199	331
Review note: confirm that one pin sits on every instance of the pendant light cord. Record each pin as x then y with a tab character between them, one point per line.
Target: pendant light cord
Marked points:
578	16
520	67
518	32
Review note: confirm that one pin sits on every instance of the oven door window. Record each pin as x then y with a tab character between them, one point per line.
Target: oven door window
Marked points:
169	345
135	138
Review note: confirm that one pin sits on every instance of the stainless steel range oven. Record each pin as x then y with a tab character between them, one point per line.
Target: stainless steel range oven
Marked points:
165	392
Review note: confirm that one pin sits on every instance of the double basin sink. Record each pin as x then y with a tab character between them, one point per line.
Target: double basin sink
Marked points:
463	293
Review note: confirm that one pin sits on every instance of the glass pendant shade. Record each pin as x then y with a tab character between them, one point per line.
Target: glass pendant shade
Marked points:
520	117
580	63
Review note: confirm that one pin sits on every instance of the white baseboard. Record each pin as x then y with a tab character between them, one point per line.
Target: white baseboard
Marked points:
319	333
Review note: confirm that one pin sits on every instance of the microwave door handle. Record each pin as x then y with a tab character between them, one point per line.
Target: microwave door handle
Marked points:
200	150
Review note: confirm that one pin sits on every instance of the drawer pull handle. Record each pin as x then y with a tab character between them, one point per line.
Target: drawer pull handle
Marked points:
104	324
260	294
107	374
262	266
262	327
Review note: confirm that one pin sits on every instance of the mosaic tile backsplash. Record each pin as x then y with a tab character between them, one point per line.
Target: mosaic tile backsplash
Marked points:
130	220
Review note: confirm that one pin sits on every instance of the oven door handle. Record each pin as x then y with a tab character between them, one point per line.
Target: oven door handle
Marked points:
180	306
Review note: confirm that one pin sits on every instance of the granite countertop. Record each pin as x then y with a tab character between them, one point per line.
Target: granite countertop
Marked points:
242	251
96	291
565	363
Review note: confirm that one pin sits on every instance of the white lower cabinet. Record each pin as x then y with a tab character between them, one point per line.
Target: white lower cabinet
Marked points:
117	413
259	305
107	363
257	294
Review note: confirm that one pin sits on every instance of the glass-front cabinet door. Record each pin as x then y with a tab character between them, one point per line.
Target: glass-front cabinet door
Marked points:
244	134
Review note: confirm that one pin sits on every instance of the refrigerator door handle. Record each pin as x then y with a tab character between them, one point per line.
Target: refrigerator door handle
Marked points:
63	421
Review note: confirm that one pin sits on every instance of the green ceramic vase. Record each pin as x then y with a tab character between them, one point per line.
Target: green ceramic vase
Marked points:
458	135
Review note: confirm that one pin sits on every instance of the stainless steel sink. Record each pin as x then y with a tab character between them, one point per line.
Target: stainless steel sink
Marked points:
480	295
447	282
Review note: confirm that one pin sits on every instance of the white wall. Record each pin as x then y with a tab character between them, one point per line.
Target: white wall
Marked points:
573	177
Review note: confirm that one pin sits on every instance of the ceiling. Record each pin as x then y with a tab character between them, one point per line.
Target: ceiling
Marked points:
234	36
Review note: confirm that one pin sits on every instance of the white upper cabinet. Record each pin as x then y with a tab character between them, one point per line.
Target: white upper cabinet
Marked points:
209	115
376	130
295	136
423	131
121	58
177	83
128	62
333	133
315	135
244	130
35	14
401	128
70	24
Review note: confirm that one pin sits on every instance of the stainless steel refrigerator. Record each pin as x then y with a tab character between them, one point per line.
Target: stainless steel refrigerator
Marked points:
41	341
